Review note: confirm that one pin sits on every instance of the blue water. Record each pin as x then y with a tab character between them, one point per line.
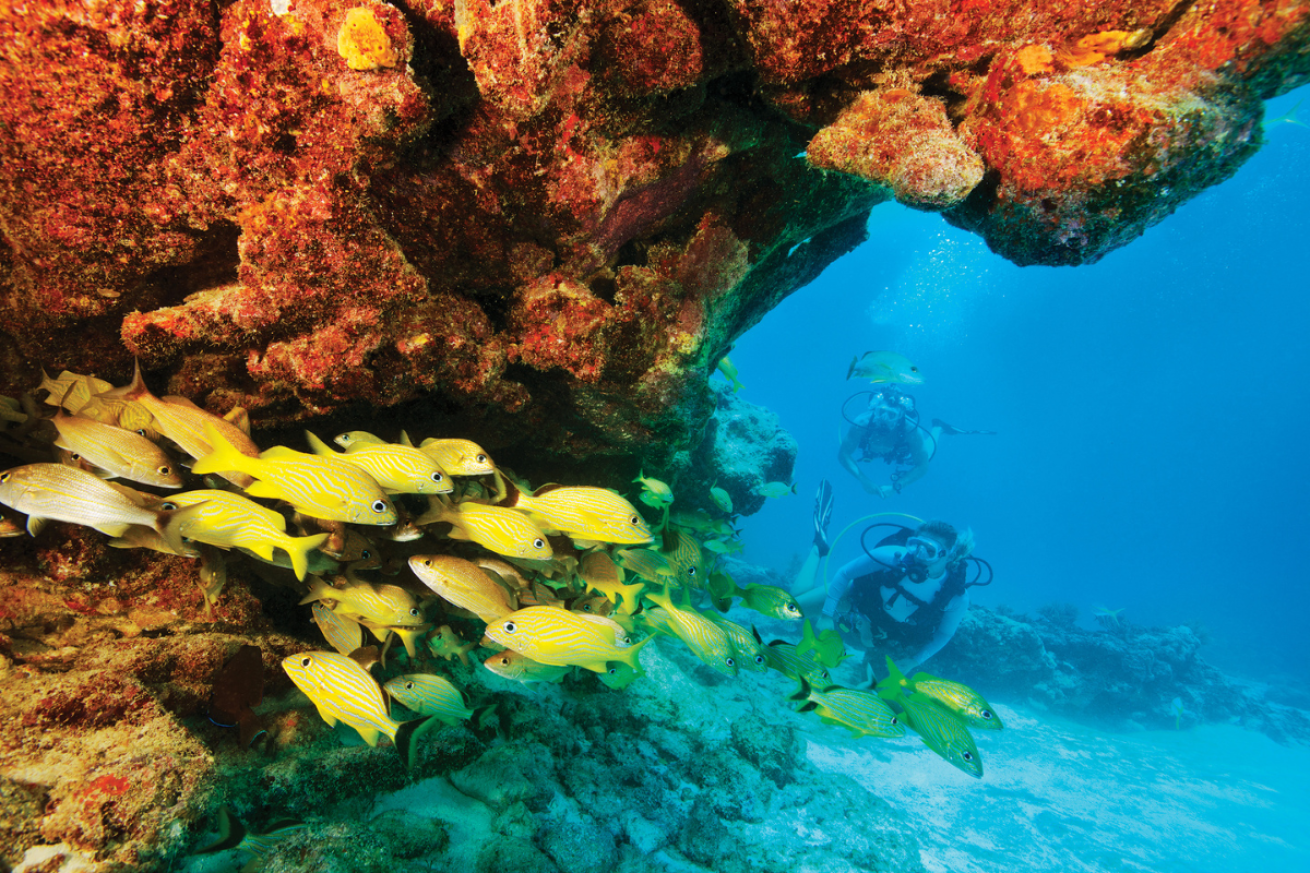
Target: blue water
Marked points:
1152	408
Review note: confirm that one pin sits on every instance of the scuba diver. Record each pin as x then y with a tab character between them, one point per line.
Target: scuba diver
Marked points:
888	429
904	597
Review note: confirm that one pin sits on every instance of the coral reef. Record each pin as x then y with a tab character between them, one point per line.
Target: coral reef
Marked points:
1124	676
543	222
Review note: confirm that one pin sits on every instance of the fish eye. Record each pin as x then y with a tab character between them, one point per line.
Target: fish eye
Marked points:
379	506
4	477
986	713
730	662
409	686
141	431
691	571
634	520
366	554
539	543
614	671
509	627
759	659
437	477
306	661
481	459
895	721
76	456
414	611
168	507
427	562
968	756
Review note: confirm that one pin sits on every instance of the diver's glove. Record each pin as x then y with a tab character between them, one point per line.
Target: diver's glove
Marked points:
822	516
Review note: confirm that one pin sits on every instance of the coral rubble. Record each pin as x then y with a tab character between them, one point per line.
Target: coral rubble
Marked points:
550	218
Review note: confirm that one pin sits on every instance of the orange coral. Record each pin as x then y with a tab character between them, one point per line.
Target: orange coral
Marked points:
363	42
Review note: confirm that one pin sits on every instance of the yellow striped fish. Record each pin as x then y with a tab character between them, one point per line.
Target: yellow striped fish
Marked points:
119	452
344	691
445	643
462	583
344	634
958	698
707	640
323	488
429	694
793	664
683	552
750	651
619	676
599	573
942	731
771	601
458	457
504	531
863	713
71	390
398	469
383	605
190	427
648	564
53	491
510	664
584	512
556	636
231	521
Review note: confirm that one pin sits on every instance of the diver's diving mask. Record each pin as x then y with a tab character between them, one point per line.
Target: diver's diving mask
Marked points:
926	550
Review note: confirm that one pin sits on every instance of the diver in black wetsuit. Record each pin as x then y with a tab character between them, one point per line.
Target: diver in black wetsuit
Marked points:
888	430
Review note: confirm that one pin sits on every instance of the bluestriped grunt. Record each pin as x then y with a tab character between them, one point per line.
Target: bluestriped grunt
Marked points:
504	531
229	521
398	469
430	694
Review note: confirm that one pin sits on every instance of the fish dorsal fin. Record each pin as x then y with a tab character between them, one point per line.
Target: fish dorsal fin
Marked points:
549	486
137	389
317	446
278	452
405	440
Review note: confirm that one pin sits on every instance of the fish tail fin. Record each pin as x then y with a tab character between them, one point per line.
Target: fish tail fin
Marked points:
223	458
230	832
736	385
808	640
803	693
169	524
317	589
893	687
850	371
407	733
317	446
641	474
629	655
298	548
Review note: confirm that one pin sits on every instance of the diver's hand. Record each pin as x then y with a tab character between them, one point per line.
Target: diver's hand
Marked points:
883	491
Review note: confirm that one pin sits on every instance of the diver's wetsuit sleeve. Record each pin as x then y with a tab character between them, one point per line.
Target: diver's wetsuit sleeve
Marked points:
863	566
952	615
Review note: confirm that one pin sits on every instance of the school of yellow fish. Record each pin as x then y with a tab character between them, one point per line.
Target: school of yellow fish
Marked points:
559	577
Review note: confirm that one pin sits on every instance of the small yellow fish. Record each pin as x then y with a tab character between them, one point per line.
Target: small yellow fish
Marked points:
942	731
863	713
383	605
584	512
654	492
960	699
599	572
827	646
344	691
53	491
729	371
771	601
445	643
648	564
398	469
685	556
190	427
509	664
464	584
707	640
784	658
883	366
119	452
72	391
458	457
429	694
319	487
619	675
722	499
503	531
556	636
230	521
750	650
343	633
776	489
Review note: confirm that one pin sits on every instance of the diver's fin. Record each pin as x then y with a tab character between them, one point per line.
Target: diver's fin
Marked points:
823	502
952	430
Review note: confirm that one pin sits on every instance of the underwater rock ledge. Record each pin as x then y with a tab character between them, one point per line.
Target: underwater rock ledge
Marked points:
543	222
